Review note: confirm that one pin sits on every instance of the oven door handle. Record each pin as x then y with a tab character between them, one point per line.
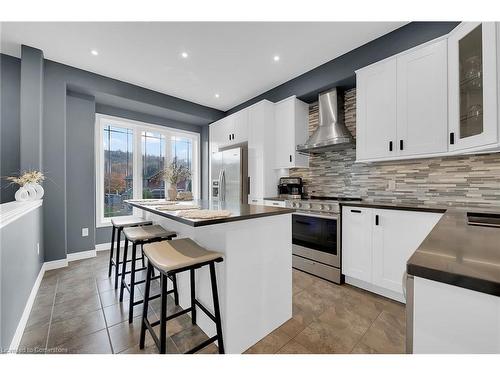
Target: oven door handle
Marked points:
302	222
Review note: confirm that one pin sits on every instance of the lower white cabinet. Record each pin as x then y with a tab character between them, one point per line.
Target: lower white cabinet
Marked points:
377	243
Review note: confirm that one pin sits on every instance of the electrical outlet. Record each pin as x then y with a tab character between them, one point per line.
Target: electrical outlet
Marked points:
38	248
85	232
391	185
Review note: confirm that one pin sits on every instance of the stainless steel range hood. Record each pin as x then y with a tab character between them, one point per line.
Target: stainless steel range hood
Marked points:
331	134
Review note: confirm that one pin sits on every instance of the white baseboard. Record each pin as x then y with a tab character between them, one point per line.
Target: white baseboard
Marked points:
106	246
14	344
52	265
81	255
375	289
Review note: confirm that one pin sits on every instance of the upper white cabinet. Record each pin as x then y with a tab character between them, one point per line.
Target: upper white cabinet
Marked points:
422	105
230	130
377	243
376	111
473	97
291	118
402	105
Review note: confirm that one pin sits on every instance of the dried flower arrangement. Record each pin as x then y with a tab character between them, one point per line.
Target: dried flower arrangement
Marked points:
176	172
30	176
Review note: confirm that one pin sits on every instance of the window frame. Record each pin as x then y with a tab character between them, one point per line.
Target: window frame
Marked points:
137	127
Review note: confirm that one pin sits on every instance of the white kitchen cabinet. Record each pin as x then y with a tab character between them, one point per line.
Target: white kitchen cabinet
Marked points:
376	111
402	105
396	235
422	101
261	146
291	129
448	319
229	131
473	96
357	242
376	244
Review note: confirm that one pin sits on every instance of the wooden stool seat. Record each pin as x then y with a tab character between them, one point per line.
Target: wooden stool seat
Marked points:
177	254
146	233
129	221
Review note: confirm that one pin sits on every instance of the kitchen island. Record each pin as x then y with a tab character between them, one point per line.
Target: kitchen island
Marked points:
255	279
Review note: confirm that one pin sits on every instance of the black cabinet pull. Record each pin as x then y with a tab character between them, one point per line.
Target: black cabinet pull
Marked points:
290	158
233	137
356	211
229	136
248	185
452	138
376	220
390	145
400	144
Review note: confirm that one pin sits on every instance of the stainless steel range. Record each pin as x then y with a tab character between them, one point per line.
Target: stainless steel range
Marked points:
316	236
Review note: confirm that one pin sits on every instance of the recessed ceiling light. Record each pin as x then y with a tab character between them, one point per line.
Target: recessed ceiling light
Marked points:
217	96
184	55
94	52
276	58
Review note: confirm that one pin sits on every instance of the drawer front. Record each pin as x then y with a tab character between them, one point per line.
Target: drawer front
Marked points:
318	269
275	203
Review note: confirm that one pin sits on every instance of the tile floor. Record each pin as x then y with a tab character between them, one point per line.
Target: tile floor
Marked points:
77	311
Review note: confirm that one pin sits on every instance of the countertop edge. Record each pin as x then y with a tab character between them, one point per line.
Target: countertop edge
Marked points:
394	206
462	281
281	211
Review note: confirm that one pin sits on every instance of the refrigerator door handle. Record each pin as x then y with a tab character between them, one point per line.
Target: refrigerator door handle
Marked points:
223	185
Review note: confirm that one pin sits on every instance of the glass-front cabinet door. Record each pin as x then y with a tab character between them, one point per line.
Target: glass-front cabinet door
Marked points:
472	77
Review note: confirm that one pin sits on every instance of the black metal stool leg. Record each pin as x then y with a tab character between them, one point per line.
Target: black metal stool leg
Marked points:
215	296
145	306
163	314
117	263
142	256
124	269
176	293
113	230
193	295
132	283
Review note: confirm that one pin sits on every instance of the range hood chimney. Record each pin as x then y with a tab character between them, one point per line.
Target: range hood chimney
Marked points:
331	134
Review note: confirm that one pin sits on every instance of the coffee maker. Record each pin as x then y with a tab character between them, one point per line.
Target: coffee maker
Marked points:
291	188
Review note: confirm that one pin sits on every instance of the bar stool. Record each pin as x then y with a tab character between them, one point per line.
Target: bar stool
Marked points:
140	236
171	258
118	224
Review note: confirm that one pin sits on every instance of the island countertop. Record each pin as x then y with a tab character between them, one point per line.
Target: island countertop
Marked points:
238	211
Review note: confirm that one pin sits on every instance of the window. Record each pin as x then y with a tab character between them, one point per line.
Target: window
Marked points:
130	158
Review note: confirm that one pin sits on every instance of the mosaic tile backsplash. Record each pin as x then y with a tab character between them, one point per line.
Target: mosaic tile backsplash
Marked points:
455	181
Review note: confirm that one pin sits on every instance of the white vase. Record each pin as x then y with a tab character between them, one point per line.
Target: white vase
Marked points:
30	188
39	190
22	194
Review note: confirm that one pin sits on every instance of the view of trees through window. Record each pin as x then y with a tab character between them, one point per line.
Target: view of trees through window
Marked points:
118	170
153	163
182	153
135	156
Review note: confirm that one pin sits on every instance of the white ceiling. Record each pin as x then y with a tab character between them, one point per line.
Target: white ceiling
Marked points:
234	60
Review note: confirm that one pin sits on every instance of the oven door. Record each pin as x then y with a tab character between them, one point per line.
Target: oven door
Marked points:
316	237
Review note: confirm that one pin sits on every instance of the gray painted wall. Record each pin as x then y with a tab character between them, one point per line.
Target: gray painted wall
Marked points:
10	78
19	268
80	172
31	108
340	71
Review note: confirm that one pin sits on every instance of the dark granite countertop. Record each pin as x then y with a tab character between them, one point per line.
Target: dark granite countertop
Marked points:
238	212
454	252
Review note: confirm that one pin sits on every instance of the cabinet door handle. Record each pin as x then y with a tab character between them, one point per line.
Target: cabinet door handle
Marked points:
248	185
376	220
229	136
400	144
232	136
390	145
290	158
452	138
356	211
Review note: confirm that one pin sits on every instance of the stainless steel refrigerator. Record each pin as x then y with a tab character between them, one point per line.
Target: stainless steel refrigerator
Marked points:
230	175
